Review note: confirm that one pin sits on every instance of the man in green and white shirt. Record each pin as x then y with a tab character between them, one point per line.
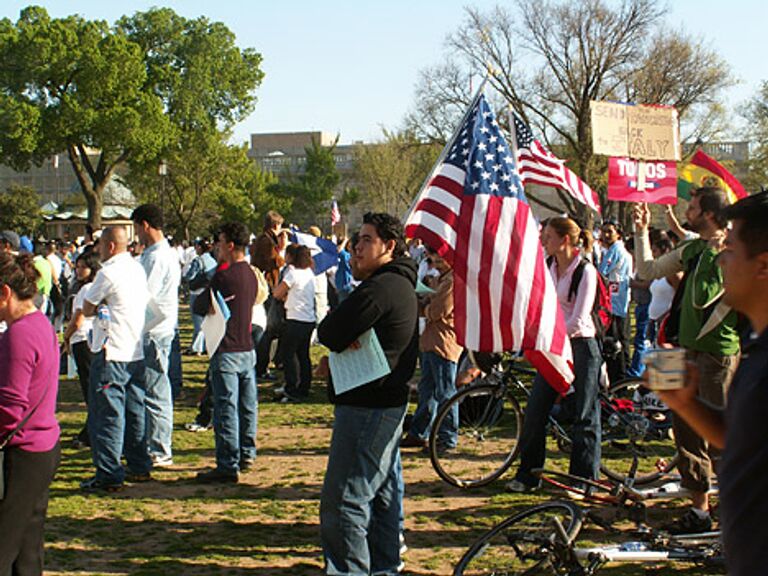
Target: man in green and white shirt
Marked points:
707	331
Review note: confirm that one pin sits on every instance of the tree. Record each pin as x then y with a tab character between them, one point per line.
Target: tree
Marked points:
756	114
73	85
206	84
391	172
547	60
312	190
20	210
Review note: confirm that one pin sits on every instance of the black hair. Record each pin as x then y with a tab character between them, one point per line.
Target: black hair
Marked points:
712	200
19	274
388	228
752	213
149	213
92	260
616	226
237	233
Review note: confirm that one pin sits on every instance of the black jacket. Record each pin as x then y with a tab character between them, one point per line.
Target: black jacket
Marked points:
386	302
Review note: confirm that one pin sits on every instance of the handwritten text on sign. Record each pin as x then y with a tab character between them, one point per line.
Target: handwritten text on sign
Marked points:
639	132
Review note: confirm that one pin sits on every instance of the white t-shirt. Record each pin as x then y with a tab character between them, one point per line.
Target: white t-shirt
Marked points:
161	264
662	293
56	264
321	297
81	334
300	303
122	285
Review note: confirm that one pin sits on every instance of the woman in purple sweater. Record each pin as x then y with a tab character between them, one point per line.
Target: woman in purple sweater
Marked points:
29	362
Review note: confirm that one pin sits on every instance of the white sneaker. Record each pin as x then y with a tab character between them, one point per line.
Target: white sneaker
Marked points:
162	461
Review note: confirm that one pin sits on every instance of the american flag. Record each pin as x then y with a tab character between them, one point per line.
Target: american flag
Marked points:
474	213
537	165
335	214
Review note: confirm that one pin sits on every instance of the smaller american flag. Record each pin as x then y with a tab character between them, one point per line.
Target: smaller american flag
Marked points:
538	165
335	214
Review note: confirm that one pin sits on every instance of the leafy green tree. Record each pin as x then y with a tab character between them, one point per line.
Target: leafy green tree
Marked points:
20	210
206	84
756	114
391	172
311	191
69	84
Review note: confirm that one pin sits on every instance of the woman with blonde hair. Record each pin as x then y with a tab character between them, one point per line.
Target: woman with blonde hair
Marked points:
567	246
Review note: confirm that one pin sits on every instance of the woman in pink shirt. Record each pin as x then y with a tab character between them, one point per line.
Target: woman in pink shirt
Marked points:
29	375
565	243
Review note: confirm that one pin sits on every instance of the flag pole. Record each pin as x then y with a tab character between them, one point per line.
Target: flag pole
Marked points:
447	147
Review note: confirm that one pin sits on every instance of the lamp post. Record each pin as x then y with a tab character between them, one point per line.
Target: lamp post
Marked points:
162	170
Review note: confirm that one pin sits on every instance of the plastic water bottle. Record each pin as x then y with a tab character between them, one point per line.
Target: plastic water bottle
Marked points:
633	547
102	317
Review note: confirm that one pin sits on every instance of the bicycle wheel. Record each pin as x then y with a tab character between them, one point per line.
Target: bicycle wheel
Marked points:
489	428
635	420
526	543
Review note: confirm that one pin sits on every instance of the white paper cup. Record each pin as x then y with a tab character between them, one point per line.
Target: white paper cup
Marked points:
665	368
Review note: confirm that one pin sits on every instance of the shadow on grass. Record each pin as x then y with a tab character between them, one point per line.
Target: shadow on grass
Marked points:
177	547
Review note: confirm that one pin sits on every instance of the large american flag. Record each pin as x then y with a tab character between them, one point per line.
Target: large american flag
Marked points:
537	165
474	213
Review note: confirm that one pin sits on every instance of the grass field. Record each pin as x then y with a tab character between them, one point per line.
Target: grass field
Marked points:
267	524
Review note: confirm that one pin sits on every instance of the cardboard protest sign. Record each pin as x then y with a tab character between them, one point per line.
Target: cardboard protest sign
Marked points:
634	131
632	181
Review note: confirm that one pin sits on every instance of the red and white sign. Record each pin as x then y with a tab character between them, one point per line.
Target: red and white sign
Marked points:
657	184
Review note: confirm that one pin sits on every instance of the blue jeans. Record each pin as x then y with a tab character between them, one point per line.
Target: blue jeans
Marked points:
437	385
235	408
642	329
361	505
159	402
197	320
586	431
116	418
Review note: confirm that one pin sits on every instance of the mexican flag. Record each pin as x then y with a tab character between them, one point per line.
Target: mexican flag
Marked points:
703	170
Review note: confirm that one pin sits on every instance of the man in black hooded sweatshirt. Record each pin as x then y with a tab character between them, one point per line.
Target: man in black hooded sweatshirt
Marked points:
361	504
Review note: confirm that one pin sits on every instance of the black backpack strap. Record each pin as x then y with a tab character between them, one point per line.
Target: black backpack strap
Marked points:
576	279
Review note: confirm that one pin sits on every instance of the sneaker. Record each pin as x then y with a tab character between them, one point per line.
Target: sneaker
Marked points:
195	427
216	476
280	391
441	449
247	464
267	376
412	441
162	461
403	545
689	523
519	487
138	478
286	399
95	485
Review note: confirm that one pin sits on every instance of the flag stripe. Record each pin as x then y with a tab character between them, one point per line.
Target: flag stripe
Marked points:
474	212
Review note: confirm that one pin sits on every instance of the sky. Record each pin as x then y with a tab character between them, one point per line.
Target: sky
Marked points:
350	66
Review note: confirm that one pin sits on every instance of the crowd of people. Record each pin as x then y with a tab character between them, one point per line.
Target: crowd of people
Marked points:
116	305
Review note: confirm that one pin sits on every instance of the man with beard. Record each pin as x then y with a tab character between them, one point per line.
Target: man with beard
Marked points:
707	331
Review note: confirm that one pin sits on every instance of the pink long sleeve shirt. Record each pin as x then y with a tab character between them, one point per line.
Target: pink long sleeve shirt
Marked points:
29	368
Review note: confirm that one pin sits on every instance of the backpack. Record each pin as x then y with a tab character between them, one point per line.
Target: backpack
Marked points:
262	290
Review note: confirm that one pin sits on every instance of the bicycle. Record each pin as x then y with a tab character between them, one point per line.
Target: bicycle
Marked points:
542	539
490	423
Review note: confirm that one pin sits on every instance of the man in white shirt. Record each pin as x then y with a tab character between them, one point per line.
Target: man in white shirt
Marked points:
163	270
118	298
